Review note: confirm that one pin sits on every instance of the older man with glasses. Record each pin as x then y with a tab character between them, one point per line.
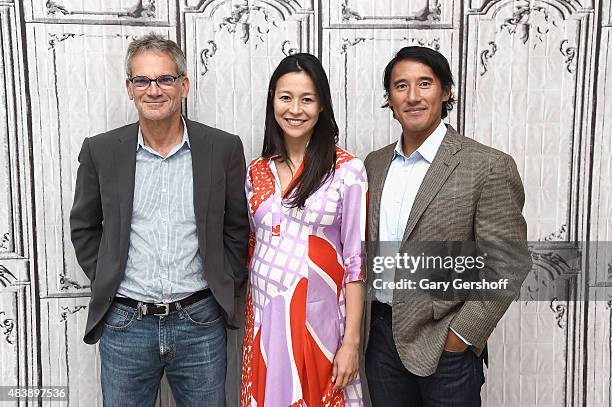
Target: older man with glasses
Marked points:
159	226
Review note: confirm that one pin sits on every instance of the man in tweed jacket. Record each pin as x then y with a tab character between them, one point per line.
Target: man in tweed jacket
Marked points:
436	185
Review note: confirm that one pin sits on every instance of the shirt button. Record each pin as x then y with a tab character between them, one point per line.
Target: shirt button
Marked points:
110	299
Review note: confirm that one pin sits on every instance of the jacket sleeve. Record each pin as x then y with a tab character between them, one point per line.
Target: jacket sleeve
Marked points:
500	232
86	214
236	221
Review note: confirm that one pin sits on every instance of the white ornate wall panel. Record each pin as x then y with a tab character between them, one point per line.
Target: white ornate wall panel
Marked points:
15	344
65	359
13	149
389	13
125	12
534	79
522	73
232	49
599	369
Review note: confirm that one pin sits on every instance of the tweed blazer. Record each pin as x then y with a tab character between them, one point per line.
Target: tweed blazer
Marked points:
470	192
101	215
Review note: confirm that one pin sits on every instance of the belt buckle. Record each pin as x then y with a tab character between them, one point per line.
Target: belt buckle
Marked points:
166	306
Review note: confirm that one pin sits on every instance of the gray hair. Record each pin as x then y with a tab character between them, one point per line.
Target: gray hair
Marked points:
155	42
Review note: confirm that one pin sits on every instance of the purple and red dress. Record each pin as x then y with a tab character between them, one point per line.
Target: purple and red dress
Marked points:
300	263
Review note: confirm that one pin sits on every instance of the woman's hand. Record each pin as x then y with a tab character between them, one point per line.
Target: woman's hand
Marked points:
346	365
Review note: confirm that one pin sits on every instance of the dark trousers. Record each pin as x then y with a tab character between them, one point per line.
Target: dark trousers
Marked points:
456	382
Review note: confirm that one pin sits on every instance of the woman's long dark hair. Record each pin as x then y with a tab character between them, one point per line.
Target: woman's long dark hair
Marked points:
320	155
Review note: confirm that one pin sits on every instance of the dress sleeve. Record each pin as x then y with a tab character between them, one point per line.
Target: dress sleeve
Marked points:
353	225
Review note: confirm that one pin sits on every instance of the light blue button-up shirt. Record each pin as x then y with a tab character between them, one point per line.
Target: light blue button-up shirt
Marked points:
164	263
401	186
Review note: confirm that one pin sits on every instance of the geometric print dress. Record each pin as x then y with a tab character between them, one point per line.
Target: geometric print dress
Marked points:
300	262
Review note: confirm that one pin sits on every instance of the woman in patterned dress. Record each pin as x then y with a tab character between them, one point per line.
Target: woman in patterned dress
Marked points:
307	203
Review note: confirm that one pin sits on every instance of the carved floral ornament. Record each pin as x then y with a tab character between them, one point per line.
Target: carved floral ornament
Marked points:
550	266
529	21
7	327
560	311
5	241
253	21
243	16
6	277
141	9
67	311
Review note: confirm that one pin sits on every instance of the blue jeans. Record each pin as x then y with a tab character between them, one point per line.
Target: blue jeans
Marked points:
189	345
456	382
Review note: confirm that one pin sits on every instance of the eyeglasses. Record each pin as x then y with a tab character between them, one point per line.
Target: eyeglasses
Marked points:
163	81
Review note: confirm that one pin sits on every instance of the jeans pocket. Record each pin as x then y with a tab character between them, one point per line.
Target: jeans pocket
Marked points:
119	319
203	313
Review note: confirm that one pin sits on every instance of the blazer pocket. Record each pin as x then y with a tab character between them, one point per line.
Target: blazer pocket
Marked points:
443	308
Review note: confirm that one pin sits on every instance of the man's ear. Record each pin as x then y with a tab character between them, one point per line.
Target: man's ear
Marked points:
128	88
446	95
185	84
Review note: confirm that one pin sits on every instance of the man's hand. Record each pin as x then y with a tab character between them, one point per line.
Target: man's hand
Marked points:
346	366
454	343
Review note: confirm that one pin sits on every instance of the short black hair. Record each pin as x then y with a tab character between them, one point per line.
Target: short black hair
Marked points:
433	59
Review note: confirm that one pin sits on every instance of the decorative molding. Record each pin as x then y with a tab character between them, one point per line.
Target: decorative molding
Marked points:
522	20
66	283
559	310
487	54
241	16
6	277
552	264
54	39
570	54
8	324
53	7
346	43
287	50
559	235
206	54
348	13
67	311
6	238
427	13
138	10
433	44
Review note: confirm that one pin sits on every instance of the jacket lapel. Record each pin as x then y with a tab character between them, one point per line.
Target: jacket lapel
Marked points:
201	160
442	166
376	183
125	164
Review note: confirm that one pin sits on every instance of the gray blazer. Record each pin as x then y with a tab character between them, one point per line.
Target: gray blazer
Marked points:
471	192
101	214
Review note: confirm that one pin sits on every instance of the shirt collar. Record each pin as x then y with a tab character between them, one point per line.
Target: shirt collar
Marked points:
428	149
185	140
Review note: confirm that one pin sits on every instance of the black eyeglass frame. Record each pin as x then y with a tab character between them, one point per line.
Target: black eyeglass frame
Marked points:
174	78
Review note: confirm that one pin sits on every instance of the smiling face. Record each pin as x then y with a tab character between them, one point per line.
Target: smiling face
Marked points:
416	96
296	105
155	103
